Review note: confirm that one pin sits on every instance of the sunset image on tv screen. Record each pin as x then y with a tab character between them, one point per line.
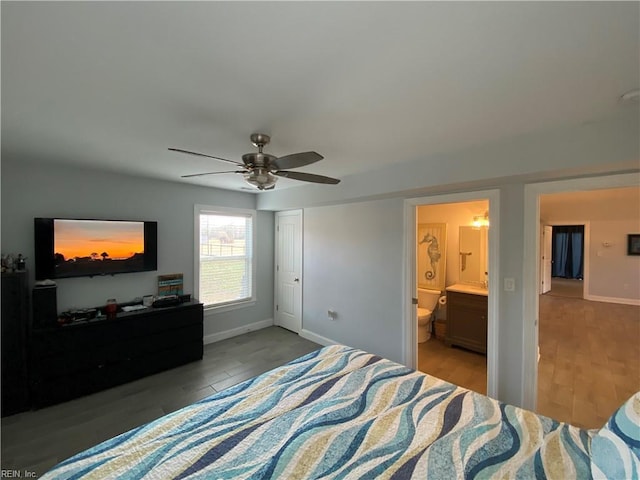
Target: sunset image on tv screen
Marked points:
98	240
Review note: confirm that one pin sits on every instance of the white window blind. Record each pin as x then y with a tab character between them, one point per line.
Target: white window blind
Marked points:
225	249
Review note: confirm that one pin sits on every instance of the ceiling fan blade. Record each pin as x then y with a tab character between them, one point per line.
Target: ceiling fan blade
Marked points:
296	160
307	177
210	173
179	150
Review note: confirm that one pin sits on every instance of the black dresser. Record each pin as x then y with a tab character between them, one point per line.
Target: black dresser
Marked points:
15	317
78	359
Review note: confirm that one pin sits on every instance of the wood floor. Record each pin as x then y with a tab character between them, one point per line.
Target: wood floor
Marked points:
566	287
589	359
37	440
590	364
456	365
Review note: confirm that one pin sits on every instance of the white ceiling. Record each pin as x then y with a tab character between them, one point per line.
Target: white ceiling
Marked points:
112	85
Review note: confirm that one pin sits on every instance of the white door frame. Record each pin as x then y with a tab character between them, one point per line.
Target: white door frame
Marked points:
544	258
409	323
276	286
531	270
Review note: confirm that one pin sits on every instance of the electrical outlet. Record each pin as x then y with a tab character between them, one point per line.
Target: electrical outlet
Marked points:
332	315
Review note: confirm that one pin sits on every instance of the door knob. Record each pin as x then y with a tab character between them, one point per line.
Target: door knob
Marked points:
296	279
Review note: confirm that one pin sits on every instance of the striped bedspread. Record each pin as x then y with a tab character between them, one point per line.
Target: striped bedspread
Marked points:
341	413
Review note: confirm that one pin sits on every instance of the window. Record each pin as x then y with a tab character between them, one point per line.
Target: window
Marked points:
224	263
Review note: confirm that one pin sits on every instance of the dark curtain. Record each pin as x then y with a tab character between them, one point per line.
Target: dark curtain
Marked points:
568	251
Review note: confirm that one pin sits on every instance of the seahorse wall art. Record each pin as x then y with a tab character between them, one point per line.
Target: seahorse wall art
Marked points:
431	252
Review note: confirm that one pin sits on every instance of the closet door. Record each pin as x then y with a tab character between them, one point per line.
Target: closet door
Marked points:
288	275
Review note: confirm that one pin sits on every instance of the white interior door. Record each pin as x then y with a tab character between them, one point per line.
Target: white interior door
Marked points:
288	281
547	238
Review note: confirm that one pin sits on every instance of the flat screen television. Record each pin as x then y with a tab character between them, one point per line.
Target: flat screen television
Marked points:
66	247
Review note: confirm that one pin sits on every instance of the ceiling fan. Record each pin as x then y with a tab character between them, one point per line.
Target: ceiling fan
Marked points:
262	170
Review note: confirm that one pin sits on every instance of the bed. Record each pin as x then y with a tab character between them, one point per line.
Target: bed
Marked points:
340	412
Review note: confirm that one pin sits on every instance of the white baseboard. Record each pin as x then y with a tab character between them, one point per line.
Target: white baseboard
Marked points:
234	332
623	301
314	337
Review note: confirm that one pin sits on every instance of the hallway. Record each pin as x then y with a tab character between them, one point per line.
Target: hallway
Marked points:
590	359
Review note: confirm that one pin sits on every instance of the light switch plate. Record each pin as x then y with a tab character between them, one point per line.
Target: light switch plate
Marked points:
509	284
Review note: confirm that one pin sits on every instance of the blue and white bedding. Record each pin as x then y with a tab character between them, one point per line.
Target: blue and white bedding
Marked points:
341	413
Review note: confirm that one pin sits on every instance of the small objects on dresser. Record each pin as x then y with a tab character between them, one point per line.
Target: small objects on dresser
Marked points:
21	264
133	308
170	284
166	301
8	262
78	315
111	308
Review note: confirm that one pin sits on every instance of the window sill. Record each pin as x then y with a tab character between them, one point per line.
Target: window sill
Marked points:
214	309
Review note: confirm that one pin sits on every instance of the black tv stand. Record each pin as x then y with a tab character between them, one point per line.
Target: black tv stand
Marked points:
85	357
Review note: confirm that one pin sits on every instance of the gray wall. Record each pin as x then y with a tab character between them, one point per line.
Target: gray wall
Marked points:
354	252
36	190
354	261
352	264
353	242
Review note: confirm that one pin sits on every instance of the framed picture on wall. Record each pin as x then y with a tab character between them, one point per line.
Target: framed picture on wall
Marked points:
431	251
633	244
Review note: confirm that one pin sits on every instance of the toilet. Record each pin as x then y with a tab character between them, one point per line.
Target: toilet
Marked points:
427	302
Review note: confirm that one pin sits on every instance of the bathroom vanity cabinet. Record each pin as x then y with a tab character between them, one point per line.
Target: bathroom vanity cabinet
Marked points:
467	320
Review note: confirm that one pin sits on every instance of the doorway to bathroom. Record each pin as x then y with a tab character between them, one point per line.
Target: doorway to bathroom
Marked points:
452	254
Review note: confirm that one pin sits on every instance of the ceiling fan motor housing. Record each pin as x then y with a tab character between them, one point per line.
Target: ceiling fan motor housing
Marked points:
258	159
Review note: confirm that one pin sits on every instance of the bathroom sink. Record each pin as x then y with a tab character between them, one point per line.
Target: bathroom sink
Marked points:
472	289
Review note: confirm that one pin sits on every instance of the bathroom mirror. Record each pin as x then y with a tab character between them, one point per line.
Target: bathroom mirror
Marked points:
473	255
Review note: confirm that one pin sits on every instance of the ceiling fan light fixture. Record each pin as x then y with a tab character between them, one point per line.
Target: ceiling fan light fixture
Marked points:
261	178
